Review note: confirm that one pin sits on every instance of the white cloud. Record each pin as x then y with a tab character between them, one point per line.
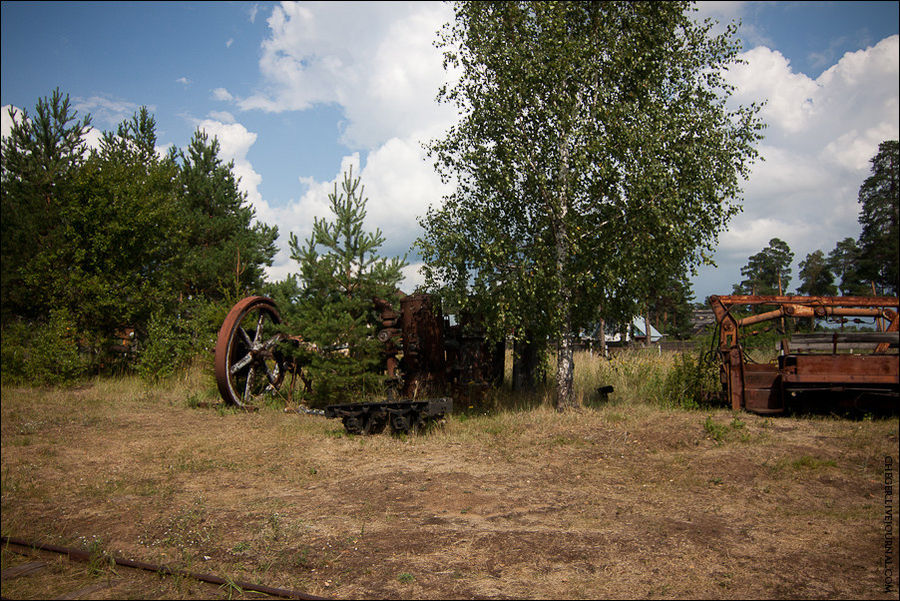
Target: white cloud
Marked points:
107	112
399	186
223	116
724	13
755	234
821	134
6	121
412	277
789	104
184	81
93	136
222	94
385	80
229	42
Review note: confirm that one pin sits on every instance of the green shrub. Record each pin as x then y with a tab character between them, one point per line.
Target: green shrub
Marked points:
691	383
717	432
173	340
14	347
166	348
52	352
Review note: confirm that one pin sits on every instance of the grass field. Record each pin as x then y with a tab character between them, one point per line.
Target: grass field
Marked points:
624	499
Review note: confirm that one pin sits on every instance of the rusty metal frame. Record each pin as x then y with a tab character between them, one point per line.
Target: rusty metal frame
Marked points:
761	388
423	354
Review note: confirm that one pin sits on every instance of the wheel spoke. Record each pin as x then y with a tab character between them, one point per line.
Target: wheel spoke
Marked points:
271	342
246	338
248	386
259	325
272	377
241	364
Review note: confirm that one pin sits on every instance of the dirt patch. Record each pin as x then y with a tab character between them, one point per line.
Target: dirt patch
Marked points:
620	502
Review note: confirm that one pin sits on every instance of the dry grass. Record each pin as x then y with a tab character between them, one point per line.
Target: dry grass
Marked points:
626	500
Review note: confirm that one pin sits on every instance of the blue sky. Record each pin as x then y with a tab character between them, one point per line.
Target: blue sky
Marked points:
298	92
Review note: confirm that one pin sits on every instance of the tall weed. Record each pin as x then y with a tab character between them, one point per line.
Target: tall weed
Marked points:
636	375
691	383
669	379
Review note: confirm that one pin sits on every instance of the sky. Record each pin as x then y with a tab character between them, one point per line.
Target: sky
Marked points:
297	93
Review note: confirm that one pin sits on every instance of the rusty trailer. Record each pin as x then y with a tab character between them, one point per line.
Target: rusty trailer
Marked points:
810	369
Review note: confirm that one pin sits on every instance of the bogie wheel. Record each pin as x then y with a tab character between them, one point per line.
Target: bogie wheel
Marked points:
375	422
352	424
247	362
405	422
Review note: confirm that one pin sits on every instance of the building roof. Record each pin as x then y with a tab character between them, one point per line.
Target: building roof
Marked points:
638	324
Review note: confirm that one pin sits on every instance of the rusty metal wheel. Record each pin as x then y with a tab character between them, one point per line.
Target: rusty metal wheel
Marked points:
248	365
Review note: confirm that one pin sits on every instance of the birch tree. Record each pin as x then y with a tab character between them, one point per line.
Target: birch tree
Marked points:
595	157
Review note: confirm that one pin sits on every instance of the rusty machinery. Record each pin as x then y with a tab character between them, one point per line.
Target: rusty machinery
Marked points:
765	387
424	353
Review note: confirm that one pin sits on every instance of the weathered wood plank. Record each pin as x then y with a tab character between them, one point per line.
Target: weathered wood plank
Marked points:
87	590
22	569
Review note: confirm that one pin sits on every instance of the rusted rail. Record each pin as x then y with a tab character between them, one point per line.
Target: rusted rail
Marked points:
81	555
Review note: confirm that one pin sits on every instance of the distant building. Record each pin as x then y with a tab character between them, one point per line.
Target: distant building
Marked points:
700	319
638	334
613	333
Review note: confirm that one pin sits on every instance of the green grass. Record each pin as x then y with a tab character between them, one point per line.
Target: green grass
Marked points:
807	462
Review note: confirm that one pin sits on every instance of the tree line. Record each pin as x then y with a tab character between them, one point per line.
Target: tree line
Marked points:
115	242
595	162
122	244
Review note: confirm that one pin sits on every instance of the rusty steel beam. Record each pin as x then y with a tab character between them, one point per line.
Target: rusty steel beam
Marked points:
808	311
797	306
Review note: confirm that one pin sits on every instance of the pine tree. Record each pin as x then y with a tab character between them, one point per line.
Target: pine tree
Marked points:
879	241
843	261
222	239
768	271
40	159
340	272
816	277
671	309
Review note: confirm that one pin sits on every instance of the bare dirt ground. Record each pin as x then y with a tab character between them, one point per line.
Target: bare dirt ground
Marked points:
625	501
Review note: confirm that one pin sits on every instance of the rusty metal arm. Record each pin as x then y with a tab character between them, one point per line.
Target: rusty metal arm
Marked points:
827	301
799	306
808	311
754	388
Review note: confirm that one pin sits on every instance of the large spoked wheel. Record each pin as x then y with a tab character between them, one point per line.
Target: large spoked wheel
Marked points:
248	365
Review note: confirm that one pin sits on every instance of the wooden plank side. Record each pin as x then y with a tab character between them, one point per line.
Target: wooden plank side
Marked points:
836	369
